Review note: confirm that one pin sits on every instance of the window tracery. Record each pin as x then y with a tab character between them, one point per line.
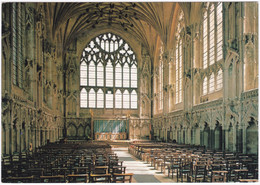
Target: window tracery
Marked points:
212	46
108	67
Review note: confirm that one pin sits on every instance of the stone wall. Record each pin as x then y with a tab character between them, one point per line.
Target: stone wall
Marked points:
226	119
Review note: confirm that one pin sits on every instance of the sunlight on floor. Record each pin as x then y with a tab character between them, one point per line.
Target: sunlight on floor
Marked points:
142	171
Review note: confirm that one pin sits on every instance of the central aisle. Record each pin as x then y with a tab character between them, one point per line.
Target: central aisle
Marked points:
142	171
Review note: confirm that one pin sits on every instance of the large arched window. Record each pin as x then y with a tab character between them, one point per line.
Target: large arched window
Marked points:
108	67
179	59
212	44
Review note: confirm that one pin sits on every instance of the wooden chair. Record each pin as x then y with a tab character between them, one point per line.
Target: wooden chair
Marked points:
248	180
174	167
199	173
231	166
241	174
36	173
81	170
99	170
118	169
167	161
52	179
159	162
28	179
219	176
122	178
186	168
78	178
97	178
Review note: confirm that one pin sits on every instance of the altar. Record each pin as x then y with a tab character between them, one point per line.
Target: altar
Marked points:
110	129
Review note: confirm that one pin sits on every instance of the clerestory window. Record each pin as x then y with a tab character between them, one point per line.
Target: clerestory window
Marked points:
179	59
212	46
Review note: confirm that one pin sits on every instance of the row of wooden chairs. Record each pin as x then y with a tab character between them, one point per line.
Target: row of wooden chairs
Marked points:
66	162
195	164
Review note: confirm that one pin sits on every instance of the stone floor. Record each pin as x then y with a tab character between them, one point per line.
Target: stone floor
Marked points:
143	172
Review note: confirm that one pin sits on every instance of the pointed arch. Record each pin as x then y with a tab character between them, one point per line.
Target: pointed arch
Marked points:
212	83
126	98
100	98
118	99
92	98
83	98
133	100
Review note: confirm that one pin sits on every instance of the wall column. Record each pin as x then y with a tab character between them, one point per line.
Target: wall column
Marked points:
234	138
8	140
244	139
226	139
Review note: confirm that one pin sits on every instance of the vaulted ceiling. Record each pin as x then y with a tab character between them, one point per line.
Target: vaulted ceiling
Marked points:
147	22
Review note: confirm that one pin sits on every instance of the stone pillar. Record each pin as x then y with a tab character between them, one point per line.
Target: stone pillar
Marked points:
29	138
38	138
226	139
3	139
234	138
14	140
188	136
201	138
27	141
244	128
44	133
8	140
48	132
54	135
35	134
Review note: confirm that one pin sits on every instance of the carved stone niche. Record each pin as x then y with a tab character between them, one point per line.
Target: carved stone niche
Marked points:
29	17
233	43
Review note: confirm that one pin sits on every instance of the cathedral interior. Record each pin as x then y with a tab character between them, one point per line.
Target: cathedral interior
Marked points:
84	82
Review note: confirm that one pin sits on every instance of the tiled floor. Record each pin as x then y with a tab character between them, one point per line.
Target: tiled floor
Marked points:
143	172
